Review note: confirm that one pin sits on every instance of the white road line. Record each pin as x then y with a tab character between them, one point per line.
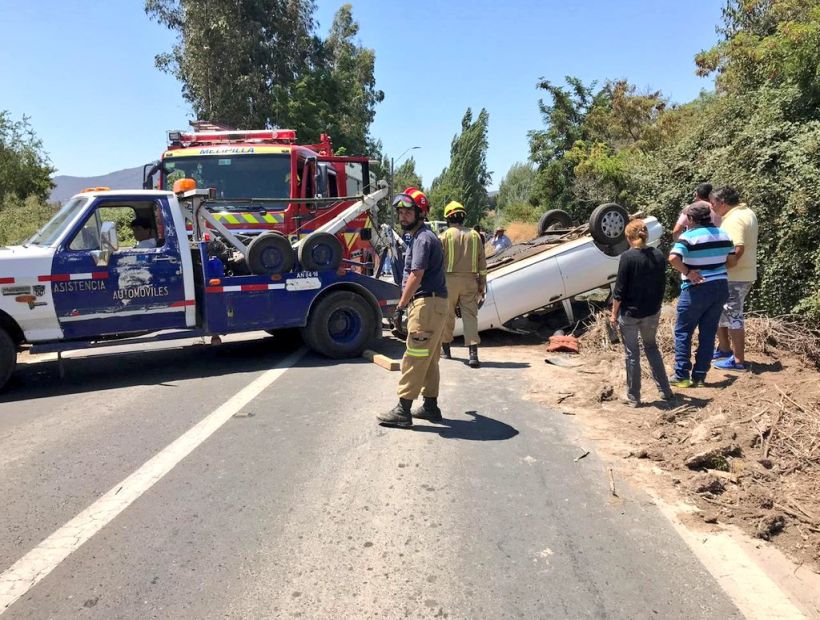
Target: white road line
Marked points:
754	593
45	557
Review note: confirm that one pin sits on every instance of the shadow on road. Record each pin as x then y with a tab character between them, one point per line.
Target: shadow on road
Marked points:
108	371
480	428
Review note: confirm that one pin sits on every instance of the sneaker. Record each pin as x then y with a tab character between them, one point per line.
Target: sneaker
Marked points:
719	355
670	395
730	364
698	383
680	383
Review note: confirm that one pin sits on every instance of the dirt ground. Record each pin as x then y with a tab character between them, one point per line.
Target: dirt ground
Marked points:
745	449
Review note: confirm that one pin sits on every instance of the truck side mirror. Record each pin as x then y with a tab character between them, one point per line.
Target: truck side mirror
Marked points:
108	244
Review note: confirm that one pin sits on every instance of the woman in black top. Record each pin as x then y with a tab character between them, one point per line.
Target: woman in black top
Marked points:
636	309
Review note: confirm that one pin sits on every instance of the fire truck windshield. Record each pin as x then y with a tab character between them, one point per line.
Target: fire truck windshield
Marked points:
235	177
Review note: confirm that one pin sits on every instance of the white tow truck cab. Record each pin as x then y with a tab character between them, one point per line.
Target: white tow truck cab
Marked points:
86	280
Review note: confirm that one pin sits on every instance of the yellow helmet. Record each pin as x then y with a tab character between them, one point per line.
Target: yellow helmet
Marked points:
454	207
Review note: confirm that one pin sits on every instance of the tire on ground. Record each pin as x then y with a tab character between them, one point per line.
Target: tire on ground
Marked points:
320	251
8	357
340	325
270	254
607	223
552	219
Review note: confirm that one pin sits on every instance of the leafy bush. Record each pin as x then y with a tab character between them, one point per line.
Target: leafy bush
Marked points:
21	218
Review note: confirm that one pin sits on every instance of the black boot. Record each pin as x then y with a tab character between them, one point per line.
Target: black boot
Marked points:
445	351
429	410
398	416
473	362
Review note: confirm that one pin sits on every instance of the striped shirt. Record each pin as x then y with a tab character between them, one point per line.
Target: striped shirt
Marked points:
704	248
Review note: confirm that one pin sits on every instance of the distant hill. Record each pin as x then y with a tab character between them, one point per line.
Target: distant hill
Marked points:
66	186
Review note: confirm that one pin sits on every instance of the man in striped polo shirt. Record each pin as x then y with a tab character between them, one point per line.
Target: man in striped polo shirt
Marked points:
700	256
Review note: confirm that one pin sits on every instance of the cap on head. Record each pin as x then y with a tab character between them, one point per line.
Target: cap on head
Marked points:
700	213
500	229
454	207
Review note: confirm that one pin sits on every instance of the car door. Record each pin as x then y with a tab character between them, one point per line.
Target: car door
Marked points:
136	289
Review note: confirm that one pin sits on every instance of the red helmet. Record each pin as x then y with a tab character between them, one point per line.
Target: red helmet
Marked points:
417	197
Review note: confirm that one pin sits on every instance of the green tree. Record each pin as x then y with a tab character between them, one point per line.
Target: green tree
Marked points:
517	185
767	43
20	218
564	126
761	134
466	177
406	176
25	169
259	63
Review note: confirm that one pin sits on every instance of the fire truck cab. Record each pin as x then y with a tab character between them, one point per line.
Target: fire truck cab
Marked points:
264	181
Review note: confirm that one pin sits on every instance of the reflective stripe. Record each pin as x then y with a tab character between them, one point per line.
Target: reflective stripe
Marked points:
417	352
451	251
249	218
475	250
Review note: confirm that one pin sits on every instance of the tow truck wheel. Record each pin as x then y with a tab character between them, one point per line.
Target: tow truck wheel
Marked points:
552	219
340	325
8	357
608	223
321	251
270	253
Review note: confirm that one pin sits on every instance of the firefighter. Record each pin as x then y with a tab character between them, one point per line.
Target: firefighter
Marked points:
424	298
466	268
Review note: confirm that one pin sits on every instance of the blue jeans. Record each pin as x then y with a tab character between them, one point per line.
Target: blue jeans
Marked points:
699	307
646	328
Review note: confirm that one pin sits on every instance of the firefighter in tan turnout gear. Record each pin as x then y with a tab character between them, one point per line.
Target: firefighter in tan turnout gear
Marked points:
424	298
466	267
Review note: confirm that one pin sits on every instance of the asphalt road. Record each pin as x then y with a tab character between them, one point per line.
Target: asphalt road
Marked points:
300	505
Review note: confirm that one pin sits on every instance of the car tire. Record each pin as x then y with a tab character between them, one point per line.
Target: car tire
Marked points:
608	223
320	251
552	219
270	254
8	357
341	325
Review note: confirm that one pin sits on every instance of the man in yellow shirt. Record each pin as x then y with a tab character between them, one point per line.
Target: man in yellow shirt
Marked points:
466	272
740	222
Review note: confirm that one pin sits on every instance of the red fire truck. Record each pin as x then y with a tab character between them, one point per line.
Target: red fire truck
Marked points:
262	180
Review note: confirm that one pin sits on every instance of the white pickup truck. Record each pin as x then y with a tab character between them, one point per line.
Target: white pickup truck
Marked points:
556	267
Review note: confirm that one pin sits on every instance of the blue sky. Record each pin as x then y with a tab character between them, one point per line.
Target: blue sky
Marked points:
84	70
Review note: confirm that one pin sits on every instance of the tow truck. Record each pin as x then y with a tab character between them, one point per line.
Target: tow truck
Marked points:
262	180
74	285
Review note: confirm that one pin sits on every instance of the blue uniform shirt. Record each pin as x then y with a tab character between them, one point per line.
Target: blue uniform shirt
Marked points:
424	252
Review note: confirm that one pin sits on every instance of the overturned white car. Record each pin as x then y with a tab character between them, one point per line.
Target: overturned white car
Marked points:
558	265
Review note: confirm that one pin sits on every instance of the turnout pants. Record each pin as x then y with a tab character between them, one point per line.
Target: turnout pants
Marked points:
419	366
462	290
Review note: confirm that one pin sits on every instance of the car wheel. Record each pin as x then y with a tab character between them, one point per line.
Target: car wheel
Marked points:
553	219
321	251
340	325
270	254
608	223
8	357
